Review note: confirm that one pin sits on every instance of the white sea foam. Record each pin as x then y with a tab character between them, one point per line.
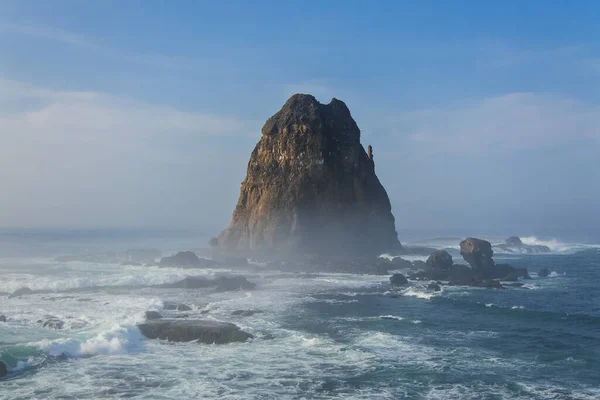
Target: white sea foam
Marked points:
418	294
557	246
89	276
117	340
391	317
517	308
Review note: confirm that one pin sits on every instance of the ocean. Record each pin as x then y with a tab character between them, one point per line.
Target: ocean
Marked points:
316	336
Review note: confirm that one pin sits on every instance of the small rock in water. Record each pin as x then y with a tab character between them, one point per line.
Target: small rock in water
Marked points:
400	263
151	315
544	273
2	318
52	323
226	283
246	313
176	307
398	280
200	331
434	286
492	284
21	292
186	259
440	260
3	369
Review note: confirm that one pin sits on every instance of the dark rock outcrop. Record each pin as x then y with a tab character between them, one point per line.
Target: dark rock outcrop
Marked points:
514	244
152	315
462	275
191	282
197	330
52	323
544	272
398	280
514	241
3	369
400	263
311	188
186	259
478	253
2	318
169	306
440	260
229	283
418	264
434	286
21	292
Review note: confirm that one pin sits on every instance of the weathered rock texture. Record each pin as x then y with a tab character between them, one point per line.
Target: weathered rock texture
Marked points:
311	188
198	330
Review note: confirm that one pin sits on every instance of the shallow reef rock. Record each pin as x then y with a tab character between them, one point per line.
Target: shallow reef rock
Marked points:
398	280
3	369
440	259
186	259
514	244
311	188
200	331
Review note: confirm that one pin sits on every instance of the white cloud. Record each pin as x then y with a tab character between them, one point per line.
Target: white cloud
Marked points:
509	122
47	33
86	158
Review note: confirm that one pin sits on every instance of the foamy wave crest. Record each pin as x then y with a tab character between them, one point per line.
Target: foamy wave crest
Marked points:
125	276
557	246
418	294
391	317
118	340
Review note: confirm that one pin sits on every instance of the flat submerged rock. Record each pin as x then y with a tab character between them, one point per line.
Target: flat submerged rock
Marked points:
201	331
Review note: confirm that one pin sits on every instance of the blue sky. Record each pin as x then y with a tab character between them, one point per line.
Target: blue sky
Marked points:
484	116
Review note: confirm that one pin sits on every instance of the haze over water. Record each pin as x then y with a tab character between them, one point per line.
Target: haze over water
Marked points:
129	125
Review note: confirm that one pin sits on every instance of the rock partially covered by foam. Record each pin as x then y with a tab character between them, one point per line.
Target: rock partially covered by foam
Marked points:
3	369
514	241
21	292
398	280
311	188
544	272
440	259
200	331
186	259
514	244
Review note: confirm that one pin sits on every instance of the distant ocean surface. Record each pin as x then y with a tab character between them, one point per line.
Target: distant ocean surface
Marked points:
318	336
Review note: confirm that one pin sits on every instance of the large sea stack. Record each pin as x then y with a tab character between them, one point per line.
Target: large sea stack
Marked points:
311	188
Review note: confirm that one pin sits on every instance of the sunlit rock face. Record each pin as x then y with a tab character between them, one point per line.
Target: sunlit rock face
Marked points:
311	188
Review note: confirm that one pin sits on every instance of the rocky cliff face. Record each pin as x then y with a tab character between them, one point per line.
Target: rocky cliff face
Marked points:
311	188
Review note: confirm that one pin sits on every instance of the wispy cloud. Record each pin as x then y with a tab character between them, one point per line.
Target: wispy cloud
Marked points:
156	60
515	121
77	158
54	34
